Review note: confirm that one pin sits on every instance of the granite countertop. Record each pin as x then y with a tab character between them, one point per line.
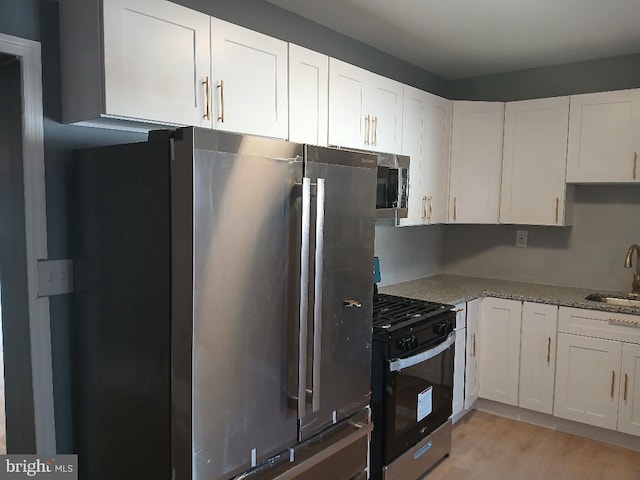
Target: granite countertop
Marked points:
454	289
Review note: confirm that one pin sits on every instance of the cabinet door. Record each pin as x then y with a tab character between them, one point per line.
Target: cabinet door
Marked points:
471	384
587	379
458	372
347	85
435	168
538	356
499	359
308	96
143	81
534	161
604	137
383	103
413	145
476	162
249	81
629	408
459	360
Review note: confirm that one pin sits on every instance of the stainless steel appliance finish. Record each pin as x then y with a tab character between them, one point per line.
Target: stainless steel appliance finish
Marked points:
421	457
261	253
392	192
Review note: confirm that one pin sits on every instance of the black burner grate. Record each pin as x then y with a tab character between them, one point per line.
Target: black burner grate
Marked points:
390	311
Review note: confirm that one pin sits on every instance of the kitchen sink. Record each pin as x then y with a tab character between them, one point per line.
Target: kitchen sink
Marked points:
622	299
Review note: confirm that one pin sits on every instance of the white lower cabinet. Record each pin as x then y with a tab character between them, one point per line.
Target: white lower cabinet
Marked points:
459	360
586	389
597	379
499	358
537	356
471	384
629	404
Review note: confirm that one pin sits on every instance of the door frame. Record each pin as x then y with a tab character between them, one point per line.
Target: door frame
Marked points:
28	53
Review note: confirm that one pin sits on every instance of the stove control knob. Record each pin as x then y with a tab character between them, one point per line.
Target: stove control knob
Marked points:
443	328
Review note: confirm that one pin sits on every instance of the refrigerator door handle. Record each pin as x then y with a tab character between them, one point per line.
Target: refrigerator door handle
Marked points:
317	310
304	296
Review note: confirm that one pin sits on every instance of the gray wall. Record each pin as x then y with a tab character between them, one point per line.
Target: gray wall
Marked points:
615	73
589	254
408	253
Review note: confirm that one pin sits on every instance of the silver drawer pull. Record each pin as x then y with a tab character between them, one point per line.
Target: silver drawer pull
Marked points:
352	303
624	323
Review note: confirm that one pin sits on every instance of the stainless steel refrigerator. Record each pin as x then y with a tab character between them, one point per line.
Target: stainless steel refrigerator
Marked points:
222	314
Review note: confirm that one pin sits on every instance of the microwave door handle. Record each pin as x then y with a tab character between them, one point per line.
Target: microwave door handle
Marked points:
401	363
304	297
317	308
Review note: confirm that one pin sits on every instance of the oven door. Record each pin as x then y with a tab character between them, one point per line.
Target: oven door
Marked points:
419	391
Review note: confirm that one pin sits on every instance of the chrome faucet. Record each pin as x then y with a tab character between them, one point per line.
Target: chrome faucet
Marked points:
635	286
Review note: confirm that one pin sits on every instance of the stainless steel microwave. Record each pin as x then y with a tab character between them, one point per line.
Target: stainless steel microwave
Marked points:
392	191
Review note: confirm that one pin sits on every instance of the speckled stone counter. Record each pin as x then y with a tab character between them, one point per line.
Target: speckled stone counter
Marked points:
456	289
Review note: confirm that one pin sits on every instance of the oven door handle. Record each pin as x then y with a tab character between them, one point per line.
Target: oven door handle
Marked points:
401	363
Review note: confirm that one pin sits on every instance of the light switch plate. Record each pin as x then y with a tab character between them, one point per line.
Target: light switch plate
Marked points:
522	237
55	277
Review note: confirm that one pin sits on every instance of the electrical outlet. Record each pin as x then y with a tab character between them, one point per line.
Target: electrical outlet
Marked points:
522	236
55	277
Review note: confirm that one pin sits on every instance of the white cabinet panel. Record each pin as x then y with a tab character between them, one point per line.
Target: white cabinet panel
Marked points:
426	138
476	162
534	162
458	372
347	86
308	96
604	137
629	409
587	379
156	58
249	81
499	360
384	105
538	356
471	385
365	109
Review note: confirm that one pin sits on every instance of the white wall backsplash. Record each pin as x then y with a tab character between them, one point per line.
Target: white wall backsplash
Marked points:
407	253
590	254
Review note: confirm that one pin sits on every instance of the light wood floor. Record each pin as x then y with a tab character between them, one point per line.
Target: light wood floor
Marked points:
488	447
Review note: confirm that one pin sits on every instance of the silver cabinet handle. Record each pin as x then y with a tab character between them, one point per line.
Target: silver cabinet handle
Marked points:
375	131
424	208
367	129
557	208
352	303
207	100
220	89
549	351
430	208
304	296
455	209
635	164
317	310
613	381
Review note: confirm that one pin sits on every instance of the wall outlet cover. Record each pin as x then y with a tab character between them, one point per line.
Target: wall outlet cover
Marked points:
522	237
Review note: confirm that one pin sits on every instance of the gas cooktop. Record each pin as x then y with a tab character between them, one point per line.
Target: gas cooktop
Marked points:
391	313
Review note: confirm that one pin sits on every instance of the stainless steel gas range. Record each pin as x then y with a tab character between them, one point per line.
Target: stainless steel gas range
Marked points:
412	386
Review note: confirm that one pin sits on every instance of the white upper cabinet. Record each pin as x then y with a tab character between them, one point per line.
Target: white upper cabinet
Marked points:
365	109
538	356
426	138
499	360
476	162
147	61
248	87
534	162
604	137
308	96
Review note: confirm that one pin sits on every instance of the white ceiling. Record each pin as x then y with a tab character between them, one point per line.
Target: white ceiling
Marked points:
467	38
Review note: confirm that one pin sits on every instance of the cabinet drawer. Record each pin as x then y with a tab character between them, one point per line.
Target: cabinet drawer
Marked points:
461	315
593	323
